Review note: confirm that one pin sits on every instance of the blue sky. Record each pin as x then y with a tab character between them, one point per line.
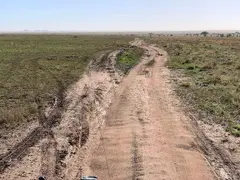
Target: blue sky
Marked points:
120	15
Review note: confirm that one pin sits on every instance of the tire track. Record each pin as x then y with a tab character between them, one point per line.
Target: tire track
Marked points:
20	150
136	159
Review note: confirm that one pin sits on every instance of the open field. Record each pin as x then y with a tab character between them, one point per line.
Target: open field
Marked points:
211	82
121	119
33	68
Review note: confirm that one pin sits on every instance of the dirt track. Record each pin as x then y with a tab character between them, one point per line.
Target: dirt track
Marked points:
135	130
146	136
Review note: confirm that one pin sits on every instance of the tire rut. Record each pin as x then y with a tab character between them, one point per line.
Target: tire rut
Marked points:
136	159
20	150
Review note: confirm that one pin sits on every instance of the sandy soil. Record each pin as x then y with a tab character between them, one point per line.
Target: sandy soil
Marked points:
146	136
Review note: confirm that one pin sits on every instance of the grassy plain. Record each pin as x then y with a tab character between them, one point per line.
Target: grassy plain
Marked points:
38	66
211	69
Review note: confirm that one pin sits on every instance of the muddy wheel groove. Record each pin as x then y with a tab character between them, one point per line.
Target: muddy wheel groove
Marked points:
20	150
136	159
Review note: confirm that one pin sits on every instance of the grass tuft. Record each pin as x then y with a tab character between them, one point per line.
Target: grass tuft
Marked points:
235	130
185	84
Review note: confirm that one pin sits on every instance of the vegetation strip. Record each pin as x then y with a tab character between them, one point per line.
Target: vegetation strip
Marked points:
128	58
212	75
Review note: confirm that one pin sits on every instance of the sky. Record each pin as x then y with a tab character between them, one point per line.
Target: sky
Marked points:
120	15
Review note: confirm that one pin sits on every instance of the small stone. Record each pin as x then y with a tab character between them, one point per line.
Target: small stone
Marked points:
224	175
23	174
224	140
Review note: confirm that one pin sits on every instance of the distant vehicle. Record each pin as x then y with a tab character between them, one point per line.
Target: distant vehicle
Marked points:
89	178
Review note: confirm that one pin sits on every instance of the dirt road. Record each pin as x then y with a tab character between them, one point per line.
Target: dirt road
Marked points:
146	136
119	128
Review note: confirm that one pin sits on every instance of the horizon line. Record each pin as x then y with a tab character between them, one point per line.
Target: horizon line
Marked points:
45	30
113	31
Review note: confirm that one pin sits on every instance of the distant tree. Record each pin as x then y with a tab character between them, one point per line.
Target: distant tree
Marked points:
229	35
221	35
204	33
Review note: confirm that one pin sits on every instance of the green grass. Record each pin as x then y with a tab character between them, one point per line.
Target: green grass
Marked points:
235	130
129	58
37	66
212	68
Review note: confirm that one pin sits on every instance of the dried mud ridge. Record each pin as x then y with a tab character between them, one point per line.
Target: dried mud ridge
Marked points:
119	128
